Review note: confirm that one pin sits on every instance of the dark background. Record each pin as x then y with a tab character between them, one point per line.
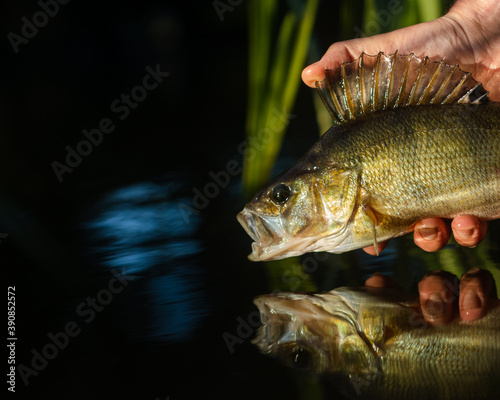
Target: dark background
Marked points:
163	335
189	283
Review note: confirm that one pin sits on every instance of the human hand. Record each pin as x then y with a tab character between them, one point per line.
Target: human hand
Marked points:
468	35
431	234
438	292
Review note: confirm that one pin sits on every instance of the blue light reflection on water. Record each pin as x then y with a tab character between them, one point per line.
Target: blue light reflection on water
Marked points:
139	231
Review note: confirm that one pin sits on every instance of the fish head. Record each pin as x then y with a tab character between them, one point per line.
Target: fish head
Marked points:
304	209
314	333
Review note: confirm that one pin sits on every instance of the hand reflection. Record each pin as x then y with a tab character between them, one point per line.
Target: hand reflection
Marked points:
438	291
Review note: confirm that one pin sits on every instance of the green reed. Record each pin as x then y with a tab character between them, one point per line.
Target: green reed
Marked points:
279	45
277	54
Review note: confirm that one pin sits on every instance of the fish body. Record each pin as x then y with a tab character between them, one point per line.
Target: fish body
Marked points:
371	176
377	346
416	162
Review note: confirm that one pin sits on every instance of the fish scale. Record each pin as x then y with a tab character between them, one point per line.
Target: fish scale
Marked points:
411	139
402	357
429	163
442	367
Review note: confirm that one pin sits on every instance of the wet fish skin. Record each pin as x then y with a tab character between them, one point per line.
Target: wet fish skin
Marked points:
371	178
375	345
423	161
412	138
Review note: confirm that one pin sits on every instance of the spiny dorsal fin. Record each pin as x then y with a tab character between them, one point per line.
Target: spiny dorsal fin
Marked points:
375	83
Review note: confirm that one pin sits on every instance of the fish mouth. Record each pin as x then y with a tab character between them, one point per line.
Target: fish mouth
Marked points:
270	239
273	242
279	313
255	227
263	230
283	315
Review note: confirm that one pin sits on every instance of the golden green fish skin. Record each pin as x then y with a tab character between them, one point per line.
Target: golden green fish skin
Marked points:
423	161
428	160
379	347
390	169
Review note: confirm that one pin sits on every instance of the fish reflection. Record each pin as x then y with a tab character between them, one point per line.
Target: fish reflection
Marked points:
374	344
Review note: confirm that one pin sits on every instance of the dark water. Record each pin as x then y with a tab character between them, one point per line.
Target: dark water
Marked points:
128	282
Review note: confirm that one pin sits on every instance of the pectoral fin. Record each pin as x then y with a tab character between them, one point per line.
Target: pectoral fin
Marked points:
371	219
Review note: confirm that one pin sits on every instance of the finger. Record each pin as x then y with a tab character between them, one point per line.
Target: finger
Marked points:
336	54
476	288
469	231
371	249
349	50
377	280
437	291
431	234
312	73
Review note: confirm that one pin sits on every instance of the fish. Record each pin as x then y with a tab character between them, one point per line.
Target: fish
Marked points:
411	139
373	343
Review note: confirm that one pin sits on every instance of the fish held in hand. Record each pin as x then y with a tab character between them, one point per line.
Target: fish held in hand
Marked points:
373	343
411	139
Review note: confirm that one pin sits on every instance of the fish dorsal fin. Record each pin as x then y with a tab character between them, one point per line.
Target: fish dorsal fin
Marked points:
381	82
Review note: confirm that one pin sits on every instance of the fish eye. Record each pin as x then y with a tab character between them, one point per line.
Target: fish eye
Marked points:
300	358
281	193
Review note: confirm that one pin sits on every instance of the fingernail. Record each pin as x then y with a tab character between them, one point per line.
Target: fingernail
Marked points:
465	234
471	301
435	306
429	233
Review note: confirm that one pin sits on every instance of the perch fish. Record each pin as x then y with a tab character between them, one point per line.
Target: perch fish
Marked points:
411	139
374	344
